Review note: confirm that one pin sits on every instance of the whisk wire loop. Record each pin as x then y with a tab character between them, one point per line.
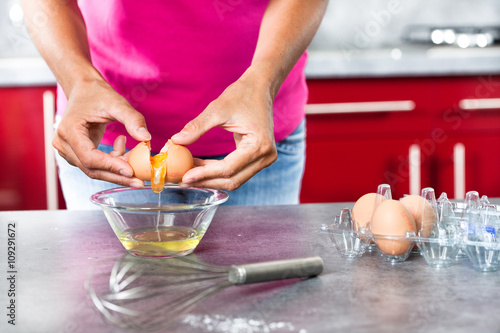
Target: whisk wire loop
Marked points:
150	294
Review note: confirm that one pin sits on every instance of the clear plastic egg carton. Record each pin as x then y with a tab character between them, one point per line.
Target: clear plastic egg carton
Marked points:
349	242
456	230
480	228
353	243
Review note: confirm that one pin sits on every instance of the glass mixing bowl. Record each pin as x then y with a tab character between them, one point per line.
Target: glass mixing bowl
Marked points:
164	224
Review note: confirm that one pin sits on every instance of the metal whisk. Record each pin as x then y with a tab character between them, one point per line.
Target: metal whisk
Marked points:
149	294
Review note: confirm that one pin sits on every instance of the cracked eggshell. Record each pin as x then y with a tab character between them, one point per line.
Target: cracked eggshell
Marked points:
179	161
139	160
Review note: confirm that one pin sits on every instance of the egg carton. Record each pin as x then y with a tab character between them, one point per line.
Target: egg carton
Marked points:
469	229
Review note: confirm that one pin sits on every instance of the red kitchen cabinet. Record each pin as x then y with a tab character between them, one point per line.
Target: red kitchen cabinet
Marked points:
481	165
349	168
22	170
468	111
359	134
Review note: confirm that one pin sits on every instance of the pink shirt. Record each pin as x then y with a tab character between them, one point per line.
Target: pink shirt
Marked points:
170	59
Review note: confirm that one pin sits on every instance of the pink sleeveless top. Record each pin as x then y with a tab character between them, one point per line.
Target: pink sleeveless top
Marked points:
170	59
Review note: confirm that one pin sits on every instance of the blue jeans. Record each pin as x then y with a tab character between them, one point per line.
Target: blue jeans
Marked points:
278	184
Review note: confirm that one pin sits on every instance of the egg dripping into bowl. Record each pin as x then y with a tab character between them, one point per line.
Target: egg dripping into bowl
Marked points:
168	166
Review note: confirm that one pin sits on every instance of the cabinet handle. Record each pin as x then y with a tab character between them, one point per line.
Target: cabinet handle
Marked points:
358	107
414	159
480	104
459	170
50	162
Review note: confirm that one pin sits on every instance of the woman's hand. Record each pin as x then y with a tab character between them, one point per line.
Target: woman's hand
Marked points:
91	105
245	109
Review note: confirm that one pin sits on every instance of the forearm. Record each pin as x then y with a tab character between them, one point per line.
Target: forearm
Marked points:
287	28
58	31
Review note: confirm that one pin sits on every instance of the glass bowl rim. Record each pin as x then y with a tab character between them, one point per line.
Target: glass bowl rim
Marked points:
95	198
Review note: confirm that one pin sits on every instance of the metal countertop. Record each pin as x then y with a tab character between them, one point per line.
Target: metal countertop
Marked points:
56	249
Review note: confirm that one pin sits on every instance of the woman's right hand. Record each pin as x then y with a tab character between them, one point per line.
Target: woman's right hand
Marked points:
92	105
58	30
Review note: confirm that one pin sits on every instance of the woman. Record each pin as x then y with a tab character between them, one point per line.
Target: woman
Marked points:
224	77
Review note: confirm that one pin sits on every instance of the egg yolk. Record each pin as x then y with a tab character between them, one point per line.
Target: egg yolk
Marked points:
158	171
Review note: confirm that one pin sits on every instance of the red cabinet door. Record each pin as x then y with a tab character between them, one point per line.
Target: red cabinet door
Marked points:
342	167
468	112
349	154
480	162
22	167
352	151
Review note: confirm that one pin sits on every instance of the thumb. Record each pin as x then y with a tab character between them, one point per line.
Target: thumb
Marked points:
194	129
134	123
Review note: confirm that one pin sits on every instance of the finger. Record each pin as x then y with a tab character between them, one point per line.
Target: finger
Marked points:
230	183
104	175
80	149
58	144
133	120
196	128
119	146
200	161
247	153
228	174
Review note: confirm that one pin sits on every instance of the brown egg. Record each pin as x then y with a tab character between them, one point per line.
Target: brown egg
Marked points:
362	210
422	211
391	218
179	161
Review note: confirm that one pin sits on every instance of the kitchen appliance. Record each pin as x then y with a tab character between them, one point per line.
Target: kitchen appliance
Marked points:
461	36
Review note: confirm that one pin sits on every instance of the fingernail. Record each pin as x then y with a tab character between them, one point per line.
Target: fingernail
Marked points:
144	133
125	173
179	135
188	180
136	184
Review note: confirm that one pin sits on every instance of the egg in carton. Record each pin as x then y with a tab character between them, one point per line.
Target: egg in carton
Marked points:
375	222
441	230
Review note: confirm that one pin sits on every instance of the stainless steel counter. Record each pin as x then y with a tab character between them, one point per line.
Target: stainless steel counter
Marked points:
56	249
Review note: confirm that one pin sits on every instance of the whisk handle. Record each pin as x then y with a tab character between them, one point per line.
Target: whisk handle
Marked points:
276	270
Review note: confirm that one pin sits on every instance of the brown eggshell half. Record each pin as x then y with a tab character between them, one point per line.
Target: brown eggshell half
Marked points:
391	218
139	160
179	161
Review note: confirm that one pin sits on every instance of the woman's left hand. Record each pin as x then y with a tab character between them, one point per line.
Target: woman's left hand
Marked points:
245	108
